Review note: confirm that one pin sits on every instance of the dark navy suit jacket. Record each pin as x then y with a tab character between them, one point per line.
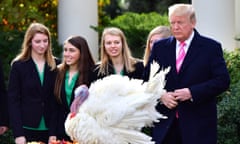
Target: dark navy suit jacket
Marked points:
204	72
28	99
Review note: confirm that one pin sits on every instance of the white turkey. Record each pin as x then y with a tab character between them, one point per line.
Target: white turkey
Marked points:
115	109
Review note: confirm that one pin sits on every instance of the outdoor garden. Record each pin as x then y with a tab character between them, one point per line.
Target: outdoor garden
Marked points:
136	22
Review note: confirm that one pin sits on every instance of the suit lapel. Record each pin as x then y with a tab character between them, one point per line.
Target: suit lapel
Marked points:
35	74
172	57
64	96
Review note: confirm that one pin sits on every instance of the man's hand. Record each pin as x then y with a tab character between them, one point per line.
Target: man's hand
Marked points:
169	100
52	139
20	140
3	129
182	94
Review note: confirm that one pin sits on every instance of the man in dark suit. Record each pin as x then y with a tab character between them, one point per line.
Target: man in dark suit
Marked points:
190	100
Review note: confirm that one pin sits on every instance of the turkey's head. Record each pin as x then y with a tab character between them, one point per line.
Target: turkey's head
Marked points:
81	94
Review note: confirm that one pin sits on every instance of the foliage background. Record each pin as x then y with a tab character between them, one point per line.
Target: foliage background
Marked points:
229	103
15	17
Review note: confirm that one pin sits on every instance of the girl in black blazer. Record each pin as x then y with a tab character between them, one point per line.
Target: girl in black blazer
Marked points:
30	89
74	70
116	56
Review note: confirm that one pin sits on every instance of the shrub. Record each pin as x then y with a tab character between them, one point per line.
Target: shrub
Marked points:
229	103
229	116
10	45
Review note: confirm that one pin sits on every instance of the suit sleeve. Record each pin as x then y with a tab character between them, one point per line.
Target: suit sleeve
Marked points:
3	100
219	80
14	100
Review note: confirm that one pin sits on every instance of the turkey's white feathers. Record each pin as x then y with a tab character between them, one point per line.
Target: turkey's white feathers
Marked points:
116	110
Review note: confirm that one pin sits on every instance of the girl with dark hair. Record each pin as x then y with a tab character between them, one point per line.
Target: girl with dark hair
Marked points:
74	70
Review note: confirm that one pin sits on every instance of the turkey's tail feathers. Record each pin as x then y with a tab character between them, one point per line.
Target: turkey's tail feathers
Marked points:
133	137
156	82
154	68
155	86
85	130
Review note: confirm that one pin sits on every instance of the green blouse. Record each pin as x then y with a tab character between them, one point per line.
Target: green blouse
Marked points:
69	85
121	72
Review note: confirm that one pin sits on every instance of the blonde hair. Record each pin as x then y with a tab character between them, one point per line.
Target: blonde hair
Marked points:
164	31
25	53
128	60
182	9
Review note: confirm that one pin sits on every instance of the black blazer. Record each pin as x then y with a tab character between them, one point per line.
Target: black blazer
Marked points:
3	100
204	72
60	113
137	73
28	99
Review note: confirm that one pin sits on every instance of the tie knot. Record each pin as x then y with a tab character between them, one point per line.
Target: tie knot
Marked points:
182	44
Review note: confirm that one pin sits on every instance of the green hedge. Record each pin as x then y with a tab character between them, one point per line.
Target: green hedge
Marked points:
229	103
10	44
